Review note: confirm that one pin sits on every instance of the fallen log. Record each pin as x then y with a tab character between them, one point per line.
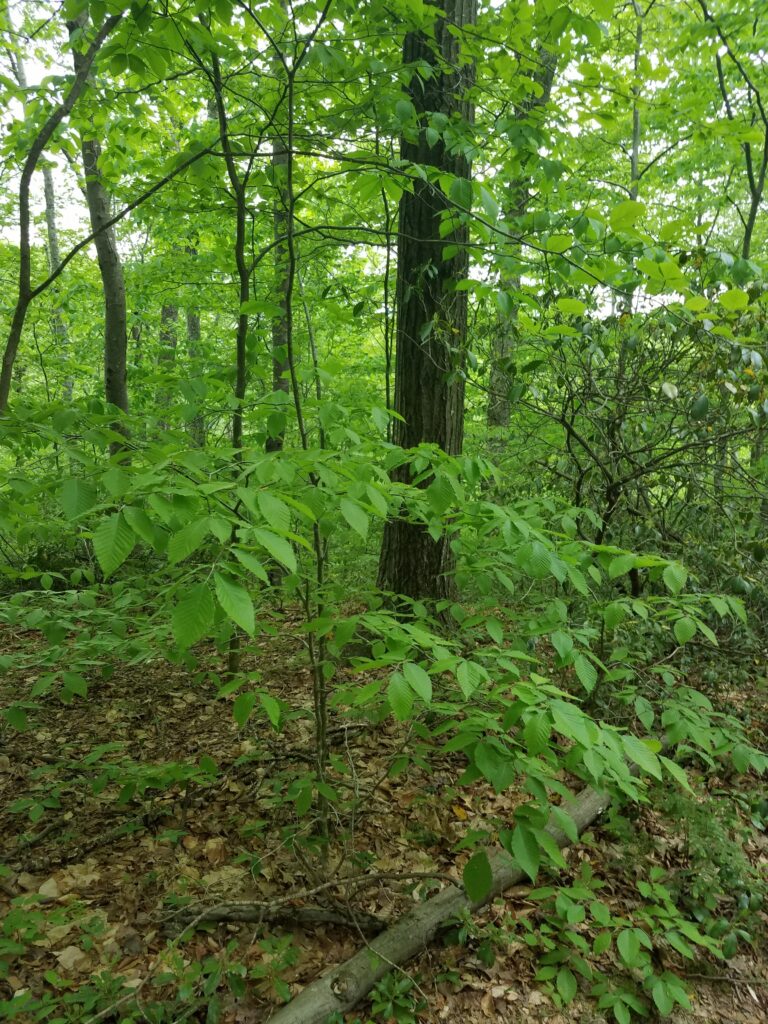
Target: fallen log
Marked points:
341	988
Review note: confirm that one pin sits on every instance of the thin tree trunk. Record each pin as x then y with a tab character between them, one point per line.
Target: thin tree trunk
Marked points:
169	318
280	368
25	292
110	267
431	315
505	333
60	334
196	426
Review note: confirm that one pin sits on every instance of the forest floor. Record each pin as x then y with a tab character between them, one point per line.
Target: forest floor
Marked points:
111	875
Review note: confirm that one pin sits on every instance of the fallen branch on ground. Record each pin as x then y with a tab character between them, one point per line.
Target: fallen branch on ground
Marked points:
342	988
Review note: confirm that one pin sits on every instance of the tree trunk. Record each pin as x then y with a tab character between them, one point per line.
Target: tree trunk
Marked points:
61	338
169	317
505	333
431	322
110	268
196	426
280	368
26	293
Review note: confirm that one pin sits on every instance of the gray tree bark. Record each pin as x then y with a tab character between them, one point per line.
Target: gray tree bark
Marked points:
110	266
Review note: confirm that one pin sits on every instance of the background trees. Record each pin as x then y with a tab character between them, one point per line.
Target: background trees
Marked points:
415	396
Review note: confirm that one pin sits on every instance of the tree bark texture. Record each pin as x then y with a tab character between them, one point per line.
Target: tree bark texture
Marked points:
431	322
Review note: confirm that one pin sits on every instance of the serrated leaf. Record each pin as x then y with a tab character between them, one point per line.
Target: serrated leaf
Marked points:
525	850
16	717
460	192
400	697
675	577
586	672
418	680
113	541
641	755
76	497
242	709
573	723
620	565
565	823
235	601
355	516
274	510
536	732
677	773
272	708
684	629
192	616
182	544
477	876
278	547
562	642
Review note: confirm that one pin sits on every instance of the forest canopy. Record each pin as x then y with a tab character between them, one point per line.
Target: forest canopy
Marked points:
383	507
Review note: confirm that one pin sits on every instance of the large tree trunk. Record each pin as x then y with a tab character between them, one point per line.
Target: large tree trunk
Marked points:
431	315
110	267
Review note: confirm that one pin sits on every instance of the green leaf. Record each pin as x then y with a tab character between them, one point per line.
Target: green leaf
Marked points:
566	984
685	628
477	876
525	850
16	717
602	943
734	299
563	643
572	723
236	602
272	708
664	1003
193	616
626	214
460	193
677	773
586	672
274	510
278	547
700	407
76	497
75	683
675	577
536	732
419	680
565	823
628	945
113	541
495	630
620	565
355	516
243	708
187	540
400	697
642	755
